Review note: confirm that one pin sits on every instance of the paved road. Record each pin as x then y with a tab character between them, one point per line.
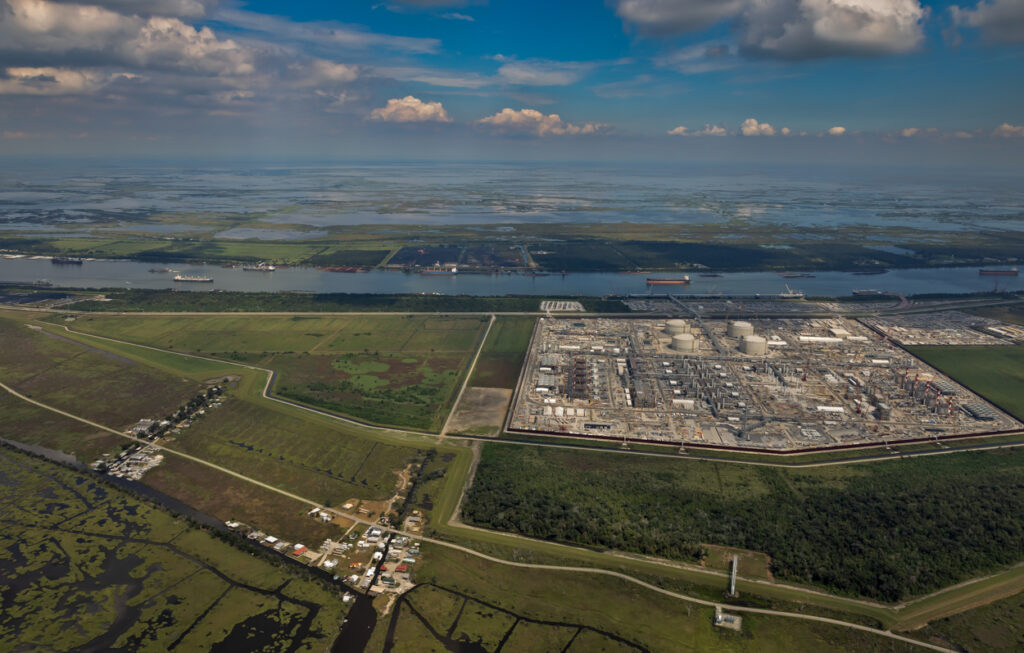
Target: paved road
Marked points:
468	551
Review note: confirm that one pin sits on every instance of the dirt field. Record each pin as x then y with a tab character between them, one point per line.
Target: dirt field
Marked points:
481	411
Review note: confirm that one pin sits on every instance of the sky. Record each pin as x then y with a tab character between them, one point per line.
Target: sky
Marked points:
803	81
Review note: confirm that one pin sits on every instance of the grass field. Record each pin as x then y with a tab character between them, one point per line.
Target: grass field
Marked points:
393	370
993	627
87	566
996	373
82	380
502	355
591	609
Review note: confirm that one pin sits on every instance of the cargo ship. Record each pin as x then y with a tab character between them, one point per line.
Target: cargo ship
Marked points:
61	260
791	294
667	281
1012	272
259	267
186	278
439	270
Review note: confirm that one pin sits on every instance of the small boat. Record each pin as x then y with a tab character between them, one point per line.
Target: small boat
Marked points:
796	275
190	279
710	275
1012	272
668	281
865	273
161	270
63	260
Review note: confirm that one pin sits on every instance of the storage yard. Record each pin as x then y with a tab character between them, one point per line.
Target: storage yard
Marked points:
946	328
782	384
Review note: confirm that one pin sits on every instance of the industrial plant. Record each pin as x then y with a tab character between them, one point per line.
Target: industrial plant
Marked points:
775	385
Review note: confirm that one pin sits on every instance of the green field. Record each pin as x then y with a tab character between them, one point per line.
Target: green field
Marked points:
993	627
959	515
475	601
393	370
87	566
95	384
996	373
502	355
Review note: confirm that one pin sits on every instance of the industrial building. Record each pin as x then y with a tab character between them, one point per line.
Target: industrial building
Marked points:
779	384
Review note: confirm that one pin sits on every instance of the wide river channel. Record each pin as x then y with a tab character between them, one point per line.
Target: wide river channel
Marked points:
133	274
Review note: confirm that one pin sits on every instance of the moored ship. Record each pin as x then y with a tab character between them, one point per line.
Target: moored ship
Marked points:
191	279
63	260
1012	272
440	270
259	267
668	281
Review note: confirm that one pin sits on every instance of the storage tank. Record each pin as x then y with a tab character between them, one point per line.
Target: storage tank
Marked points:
754	345
684	342
739	328
675	327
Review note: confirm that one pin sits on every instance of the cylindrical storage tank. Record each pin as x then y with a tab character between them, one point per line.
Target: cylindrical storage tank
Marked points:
754	345
739	328
675	327
684	342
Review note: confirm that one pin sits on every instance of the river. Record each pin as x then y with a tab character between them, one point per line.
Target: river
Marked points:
133	274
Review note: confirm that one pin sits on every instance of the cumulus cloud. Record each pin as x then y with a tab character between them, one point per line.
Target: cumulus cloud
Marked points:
323	71
998	20
162	42
909	132
531	121
791	29
180	8
838	130
53	81
664	17
1006	130
785	131
751	127
410	109
707	130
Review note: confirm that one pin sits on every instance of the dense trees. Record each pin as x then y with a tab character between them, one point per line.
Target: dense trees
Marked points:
886	530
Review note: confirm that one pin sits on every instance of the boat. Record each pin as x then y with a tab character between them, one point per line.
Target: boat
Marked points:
862	292
43	283
865	273
668	281
439	270
186	278
259	267
343	268
63	260
791	294
710	275
796	275
1012	272
161	270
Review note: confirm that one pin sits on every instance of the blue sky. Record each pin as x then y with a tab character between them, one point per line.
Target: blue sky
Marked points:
691	79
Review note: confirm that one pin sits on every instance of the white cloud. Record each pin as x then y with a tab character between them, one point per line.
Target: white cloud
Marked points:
1006	130
700	58
785	131
662	17
751	127
909	132
180	8
53	81
998	20
542	73
323	71
432	76
838	130
808	29
791	29
707	130
454	15
410	109
534	122
963	135
158	41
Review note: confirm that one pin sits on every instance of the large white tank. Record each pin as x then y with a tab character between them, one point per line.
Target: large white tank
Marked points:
754	345
739	328
684	342
675	327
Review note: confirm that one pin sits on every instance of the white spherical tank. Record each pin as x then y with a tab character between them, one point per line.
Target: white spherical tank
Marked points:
675	327
739	328
684	342
754	345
